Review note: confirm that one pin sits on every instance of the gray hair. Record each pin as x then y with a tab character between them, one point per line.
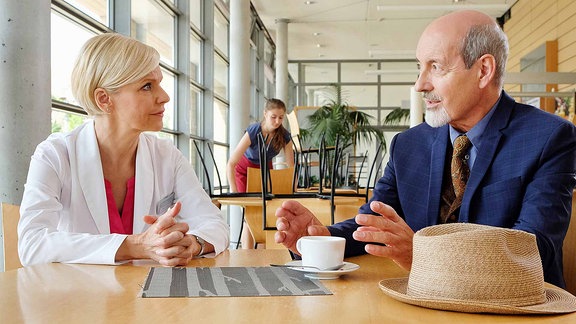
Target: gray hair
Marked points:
110	61
486	39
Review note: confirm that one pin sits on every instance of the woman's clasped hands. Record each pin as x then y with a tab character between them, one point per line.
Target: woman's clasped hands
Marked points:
165	241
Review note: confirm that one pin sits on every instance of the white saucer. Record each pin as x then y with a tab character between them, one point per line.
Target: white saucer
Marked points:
328	274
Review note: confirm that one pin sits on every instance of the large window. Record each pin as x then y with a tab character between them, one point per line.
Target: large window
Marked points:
220	122
154	25
195	58
375	87
220	76
220	32
196	13
64	51
96	9
169	85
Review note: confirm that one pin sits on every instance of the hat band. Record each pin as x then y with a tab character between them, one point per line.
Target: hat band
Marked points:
530	300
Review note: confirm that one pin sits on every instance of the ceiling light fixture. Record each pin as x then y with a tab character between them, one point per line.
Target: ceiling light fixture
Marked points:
399	54
316	34
309	2
393	72
499	7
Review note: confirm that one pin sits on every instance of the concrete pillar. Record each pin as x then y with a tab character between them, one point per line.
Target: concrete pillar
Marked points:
25	102
416	107
282	59
239	88
311	97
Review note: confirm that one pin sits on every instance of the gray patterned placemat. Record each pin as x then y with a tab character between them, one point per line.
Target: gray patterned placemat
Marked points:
229	281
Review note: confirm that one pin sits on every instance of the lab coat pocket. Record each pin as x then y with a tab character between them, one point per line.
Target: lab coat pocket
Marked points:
164	204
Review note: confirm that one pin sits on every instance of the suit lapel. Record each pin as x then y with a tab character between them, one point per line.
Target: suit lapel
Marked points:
437	160
144	186
486	152
91	177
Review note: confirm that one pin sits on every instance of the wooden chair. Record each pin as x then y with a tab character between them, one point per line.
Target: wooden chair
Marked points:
10	216
280	182
569	251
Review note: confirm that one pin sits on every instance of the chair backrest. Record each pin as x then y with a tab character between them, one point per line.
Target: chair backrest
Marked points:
10	216
253	180
293	123
569	251
279	181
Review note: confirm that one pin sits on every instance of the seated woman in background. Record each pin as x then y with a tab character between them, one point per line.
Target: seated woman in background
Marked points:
107	192
246	153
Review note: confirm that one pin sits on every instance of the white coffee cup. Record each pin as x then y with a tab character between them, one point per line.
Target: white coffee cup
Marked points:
322	252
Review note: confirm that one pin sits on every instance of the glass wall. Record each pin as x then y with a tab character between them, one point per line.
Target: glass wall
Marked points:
375	87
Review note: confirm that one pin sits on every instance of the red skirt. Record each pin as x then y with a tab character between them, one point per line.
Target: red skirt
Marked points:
241	171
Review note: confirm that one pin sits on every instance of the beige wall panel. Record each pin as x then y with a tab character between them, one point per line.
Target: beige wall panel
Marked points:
564	4
565	39
567	59
547	18
532	23
566	21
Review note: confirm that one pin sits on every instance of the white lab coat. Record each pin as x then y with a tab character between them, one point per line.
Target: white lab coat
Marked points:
64	213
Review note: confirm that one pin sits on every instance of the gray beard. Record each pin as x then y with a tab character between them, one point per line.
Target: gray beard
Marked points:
437	118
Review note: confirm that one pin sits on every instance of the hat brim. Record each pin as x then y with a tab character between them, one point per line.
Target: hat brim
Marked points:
557	301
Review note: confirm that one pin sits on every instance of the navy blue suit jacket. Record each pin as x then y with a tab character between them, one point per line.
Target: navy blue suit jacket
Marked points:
523	178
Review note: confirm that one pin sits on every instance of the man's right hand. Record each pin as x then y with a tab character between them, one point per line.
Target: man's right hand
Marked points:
294	221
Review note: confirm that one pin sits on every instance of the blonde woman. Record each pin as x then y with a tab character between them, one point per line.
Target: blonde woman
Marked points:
107	192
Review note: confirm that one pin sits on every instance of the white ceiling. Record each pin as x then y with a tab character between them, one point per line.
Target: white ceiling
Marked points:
356	29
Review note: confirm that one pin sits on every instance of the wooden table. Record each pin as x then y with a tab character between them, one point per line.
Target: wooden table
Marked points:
63	293
346	207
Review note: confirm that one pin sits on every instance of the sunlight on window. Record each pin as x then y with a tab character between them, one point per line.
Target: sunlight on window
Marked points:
220	76
153	25
67	39
96	9
220	32
195	122
167	84
195	58
64	121
196	13
220	122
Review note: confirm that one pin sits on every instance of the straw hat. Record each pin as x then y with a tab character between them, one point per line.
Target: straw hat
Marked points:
478	269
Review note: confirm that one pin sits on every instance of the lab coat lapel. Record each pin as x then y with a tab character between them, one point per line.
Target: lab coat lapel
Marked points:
144	186
91	177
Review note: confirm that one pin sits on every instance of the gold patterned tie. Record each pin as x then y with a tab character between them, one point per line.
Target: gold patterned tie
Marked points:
459	172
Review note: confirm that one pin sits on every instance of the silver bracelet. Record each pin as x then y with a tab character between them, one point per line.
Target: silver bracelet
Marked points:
202	244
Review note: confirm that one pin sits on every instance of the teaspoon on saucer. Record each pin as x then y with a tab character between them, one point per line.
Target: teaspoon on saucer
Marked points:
336	268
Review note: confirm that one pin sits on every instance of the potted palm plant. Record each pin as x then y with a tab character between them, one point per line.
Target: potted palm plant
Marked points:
338	119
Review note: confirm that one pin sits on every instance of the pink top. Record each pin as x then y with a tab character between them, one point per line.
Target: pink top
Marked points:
121	224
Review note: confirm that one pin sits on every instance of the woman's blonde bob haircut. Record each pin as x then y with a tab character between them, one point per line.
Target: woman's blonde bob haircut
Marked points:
110	61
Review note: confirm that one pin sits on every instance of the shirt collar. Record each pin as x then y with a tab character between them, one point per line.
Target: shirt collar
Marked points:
476	131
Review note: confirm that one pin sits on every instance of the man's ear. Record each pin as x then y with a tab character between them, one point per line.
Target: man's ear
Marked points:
487	70
103	100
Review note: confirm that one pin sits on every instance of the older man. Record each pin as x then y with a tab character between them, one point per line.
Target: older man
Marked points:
480	157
